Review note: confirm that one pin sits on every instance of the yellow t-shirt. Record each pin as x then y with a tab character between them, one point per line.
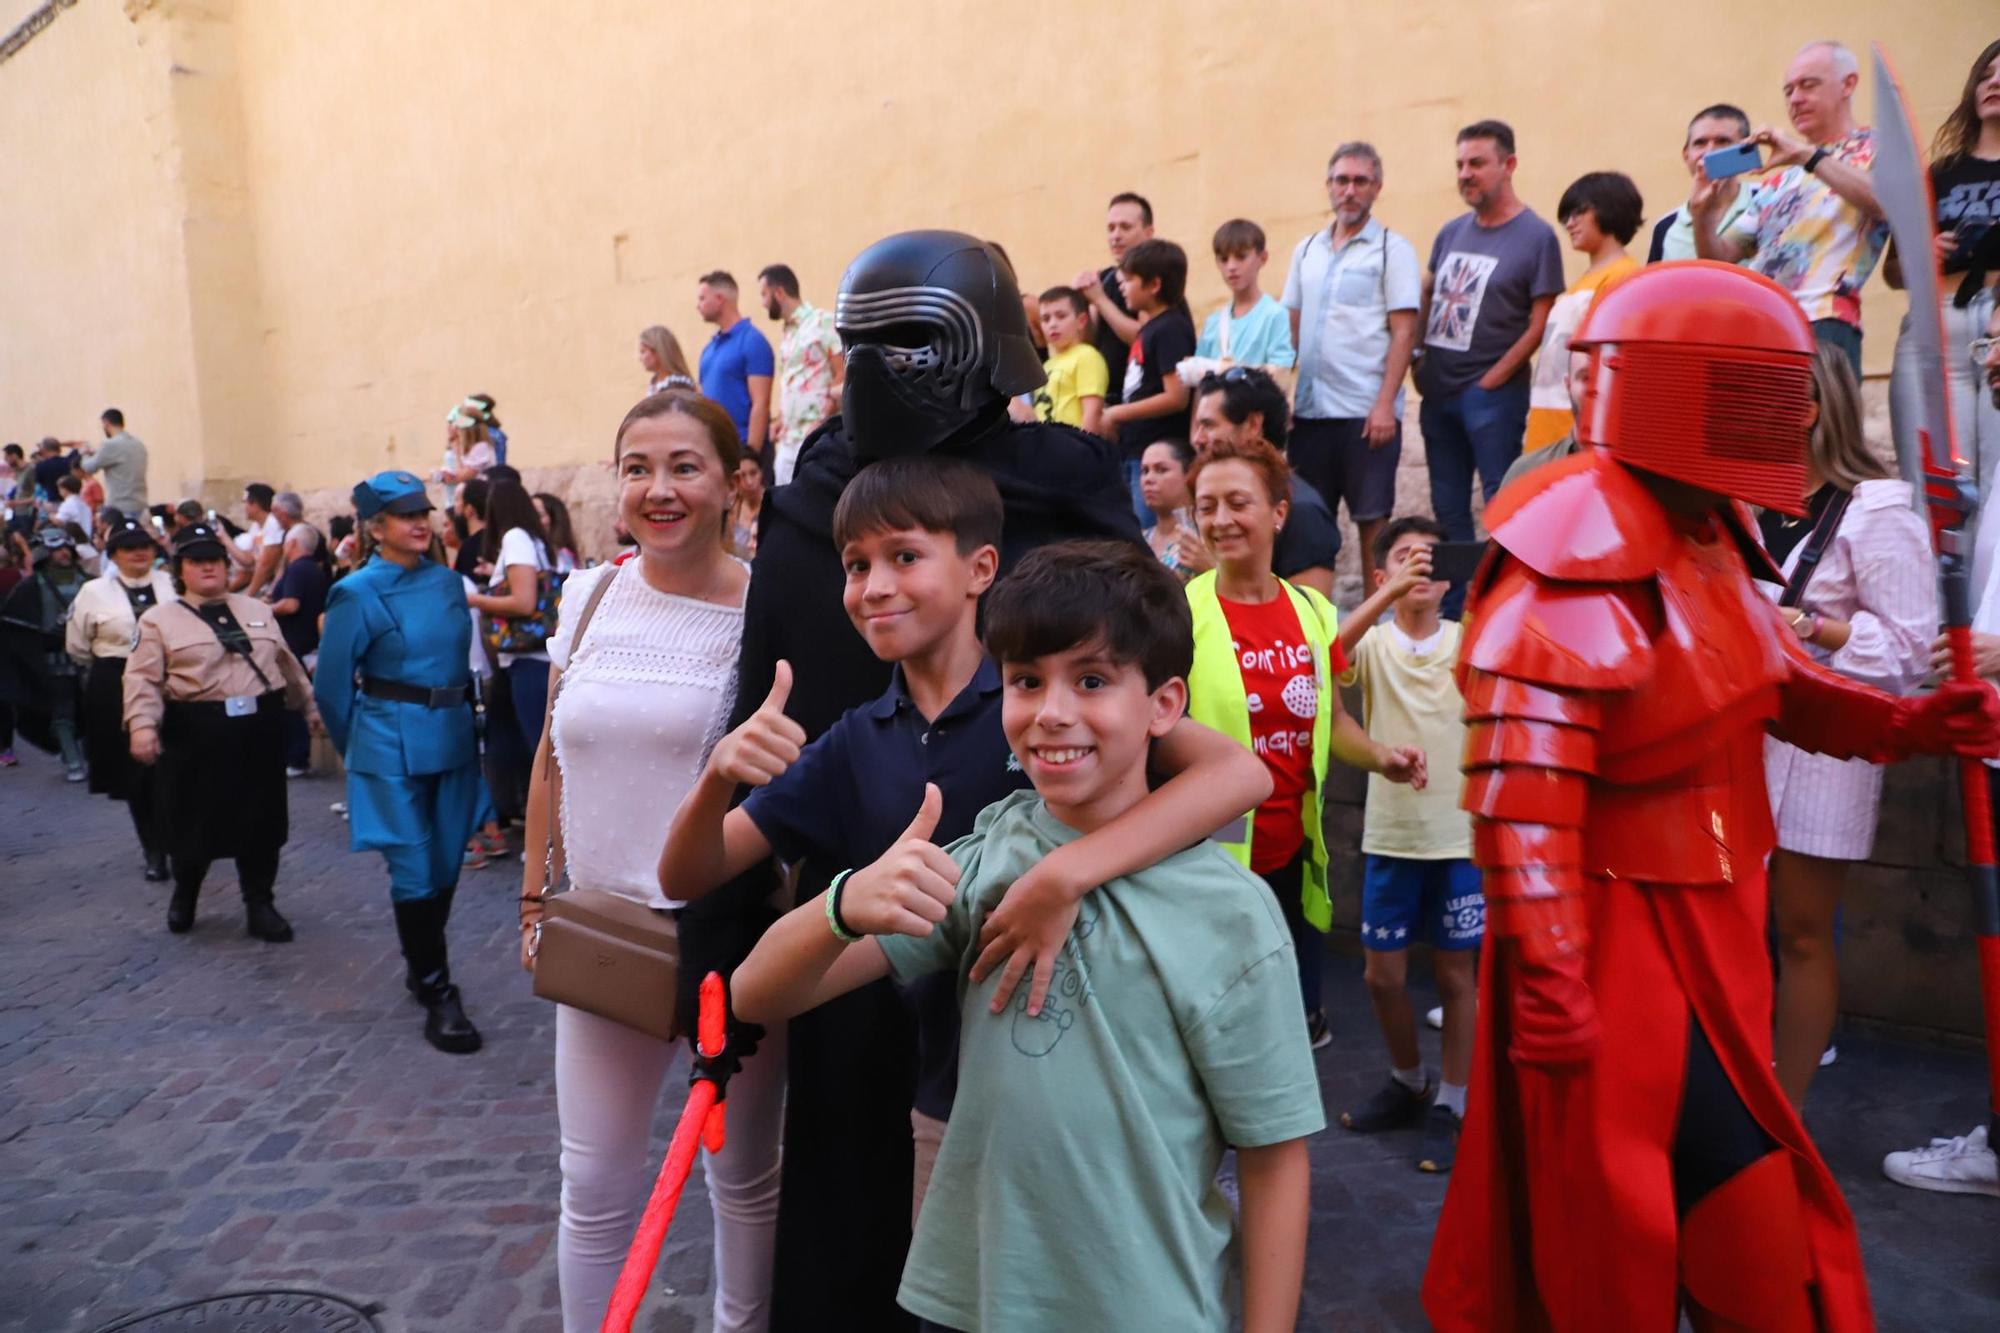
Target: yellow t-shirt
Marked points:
1075	373
1549	415
1410	698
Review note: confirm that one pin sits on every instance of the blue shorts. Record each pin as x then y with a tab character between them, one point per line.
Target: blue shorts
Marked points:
1403	900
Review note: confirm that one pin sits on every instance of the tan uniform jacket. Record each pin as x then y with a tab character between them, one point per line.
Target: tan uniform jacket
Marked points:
179	658
101	623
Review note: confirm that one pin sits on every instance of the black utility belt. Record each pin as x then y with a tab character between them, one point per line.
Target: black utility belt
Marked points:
240	705
443	696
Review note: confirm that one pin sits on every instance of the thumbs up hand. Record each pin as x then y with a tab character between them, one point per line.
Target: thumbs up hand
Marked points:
906	891
767	743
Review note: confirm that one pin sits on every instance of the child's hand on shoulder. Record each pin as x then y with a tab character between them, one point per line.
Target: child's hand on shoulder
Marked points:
908	889
766	744
1025	932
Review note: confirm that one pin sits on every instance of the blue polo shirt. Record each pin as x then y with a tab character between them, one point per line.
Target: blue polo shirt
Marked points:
855	789
727	364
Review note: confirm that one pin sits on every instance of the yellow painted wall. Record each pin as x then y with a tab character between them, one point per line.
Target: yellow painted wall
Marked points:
93	284
286	235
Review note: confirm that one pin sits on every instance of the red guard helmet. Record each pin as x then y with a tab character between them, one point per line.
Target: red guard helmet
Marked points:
1702	372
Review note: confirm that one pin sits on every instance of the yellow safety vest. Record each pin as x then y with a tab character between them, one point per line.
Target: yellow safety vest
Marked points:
1216	698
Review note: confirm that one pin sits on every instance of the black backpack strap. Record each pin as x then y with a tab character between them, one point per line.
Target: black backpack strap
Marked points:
1815	547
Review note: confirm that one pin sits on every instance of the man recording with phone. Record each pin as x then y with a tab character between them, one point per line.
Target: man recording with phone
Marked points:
1812	225
1713	127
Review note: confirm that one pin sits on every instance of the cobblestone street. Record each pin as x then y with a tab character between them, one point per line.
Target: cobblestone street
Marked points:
186	1116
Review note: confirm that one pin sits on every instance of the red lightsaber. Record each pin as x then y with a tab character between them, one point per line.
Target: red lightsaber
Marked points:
1903	189
701	1121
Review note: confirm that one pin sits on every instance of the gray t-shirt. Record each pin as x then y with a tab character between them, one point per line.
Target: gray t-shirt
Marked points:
1076	1185
122	460
1484	280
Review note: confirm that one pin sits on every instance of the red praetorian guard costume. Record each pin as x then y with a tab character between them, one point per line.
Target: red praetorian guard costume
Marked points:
1627	1153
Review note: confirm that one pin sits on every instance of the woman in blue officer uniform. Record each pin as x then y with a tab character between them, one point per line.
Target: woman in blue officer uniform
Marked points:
393	688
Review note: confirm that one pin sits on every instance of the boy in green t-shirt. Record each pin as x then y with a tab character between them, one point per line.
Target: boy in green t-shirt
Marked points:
1078	378
1076	1184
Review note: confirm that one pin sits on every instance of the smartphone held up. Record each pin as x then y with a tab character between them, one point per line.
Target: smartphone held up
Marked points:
1734	160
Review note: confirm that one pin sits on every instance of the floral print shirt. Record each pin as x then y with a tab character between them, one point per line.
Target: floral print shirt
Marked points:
805	377
1809	240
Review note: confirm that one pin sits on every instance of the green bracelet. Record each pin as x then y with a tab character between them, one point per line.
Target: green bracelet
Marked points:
839	927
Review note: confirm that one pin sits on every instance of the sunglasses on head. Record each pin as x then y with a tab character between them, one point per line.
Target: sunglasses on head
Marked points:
1237	375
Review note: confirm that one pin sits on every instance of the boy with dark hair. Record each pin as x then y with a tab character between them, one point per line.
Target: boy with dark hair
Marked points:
918	537
1419	878
1601	211
1078	378
1154	400
1252	329
1610	198
1076	1186
74	508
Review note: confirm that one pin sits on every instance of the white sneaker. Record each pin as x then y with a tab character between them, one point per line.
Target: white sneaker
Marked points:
297	772
1435	1017
1964	1165
1829	1055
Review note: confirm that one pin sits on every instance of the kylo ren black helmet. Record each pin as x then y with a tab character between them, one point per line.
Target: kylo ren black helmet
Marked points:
935	336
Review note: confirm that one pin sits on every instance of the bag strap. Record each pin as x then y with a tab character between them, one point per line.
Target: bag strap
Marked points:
1815	547
241	648
549	761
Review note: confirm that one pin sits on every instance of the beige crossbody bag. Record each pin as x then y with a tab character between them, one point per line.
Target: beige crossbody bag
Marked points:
595	950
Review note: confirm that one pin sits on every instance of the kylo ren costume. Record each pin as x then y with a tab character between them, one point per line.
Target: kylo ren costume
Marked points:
936	345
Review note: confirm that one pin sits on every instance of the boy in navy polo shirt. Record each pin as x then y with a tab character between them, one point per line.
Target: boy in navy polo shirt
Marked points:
1076	1187
919	538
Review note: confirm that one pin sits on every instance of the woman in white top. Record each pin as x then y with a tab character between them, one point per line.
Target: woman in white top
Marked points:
665	365
1869	611
638	704
103	627
518	550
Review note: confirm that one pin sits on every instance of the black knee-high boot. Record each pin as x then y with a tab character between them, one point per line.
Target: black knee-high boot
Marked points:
188	875
420	927
258	873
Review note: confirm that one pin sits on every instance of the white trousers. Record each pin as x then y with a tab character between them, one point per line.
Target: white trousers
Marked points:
608	1080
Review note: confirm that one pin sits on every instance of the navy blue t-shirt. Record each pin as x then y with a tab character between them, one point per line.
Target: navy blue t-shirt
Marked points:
855	789
306	580
727	363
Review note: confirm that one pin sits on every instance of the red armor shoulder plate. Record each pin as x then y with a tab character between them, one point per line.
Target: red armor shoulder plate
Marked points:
1583	519
1566	635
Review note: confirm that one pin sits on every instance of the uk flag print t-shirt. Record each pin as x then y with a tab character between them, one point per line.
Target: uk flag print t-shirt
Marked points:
1280	686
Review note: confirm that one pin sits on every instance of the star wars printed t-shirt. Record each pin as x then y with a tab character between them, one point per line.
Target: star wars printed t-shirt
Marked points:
1076	1188
1277	666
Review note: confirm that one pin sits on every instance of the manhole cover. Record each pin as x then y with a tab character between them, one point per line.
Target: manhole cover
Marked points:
277	1311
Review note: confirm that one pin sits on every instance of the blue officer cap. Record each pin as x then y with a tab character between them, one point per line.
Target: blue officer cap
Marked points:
391	493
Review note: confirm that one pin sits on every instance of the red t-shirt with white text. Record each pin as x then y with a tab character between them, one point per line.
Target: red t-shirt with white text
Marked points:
1282	690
